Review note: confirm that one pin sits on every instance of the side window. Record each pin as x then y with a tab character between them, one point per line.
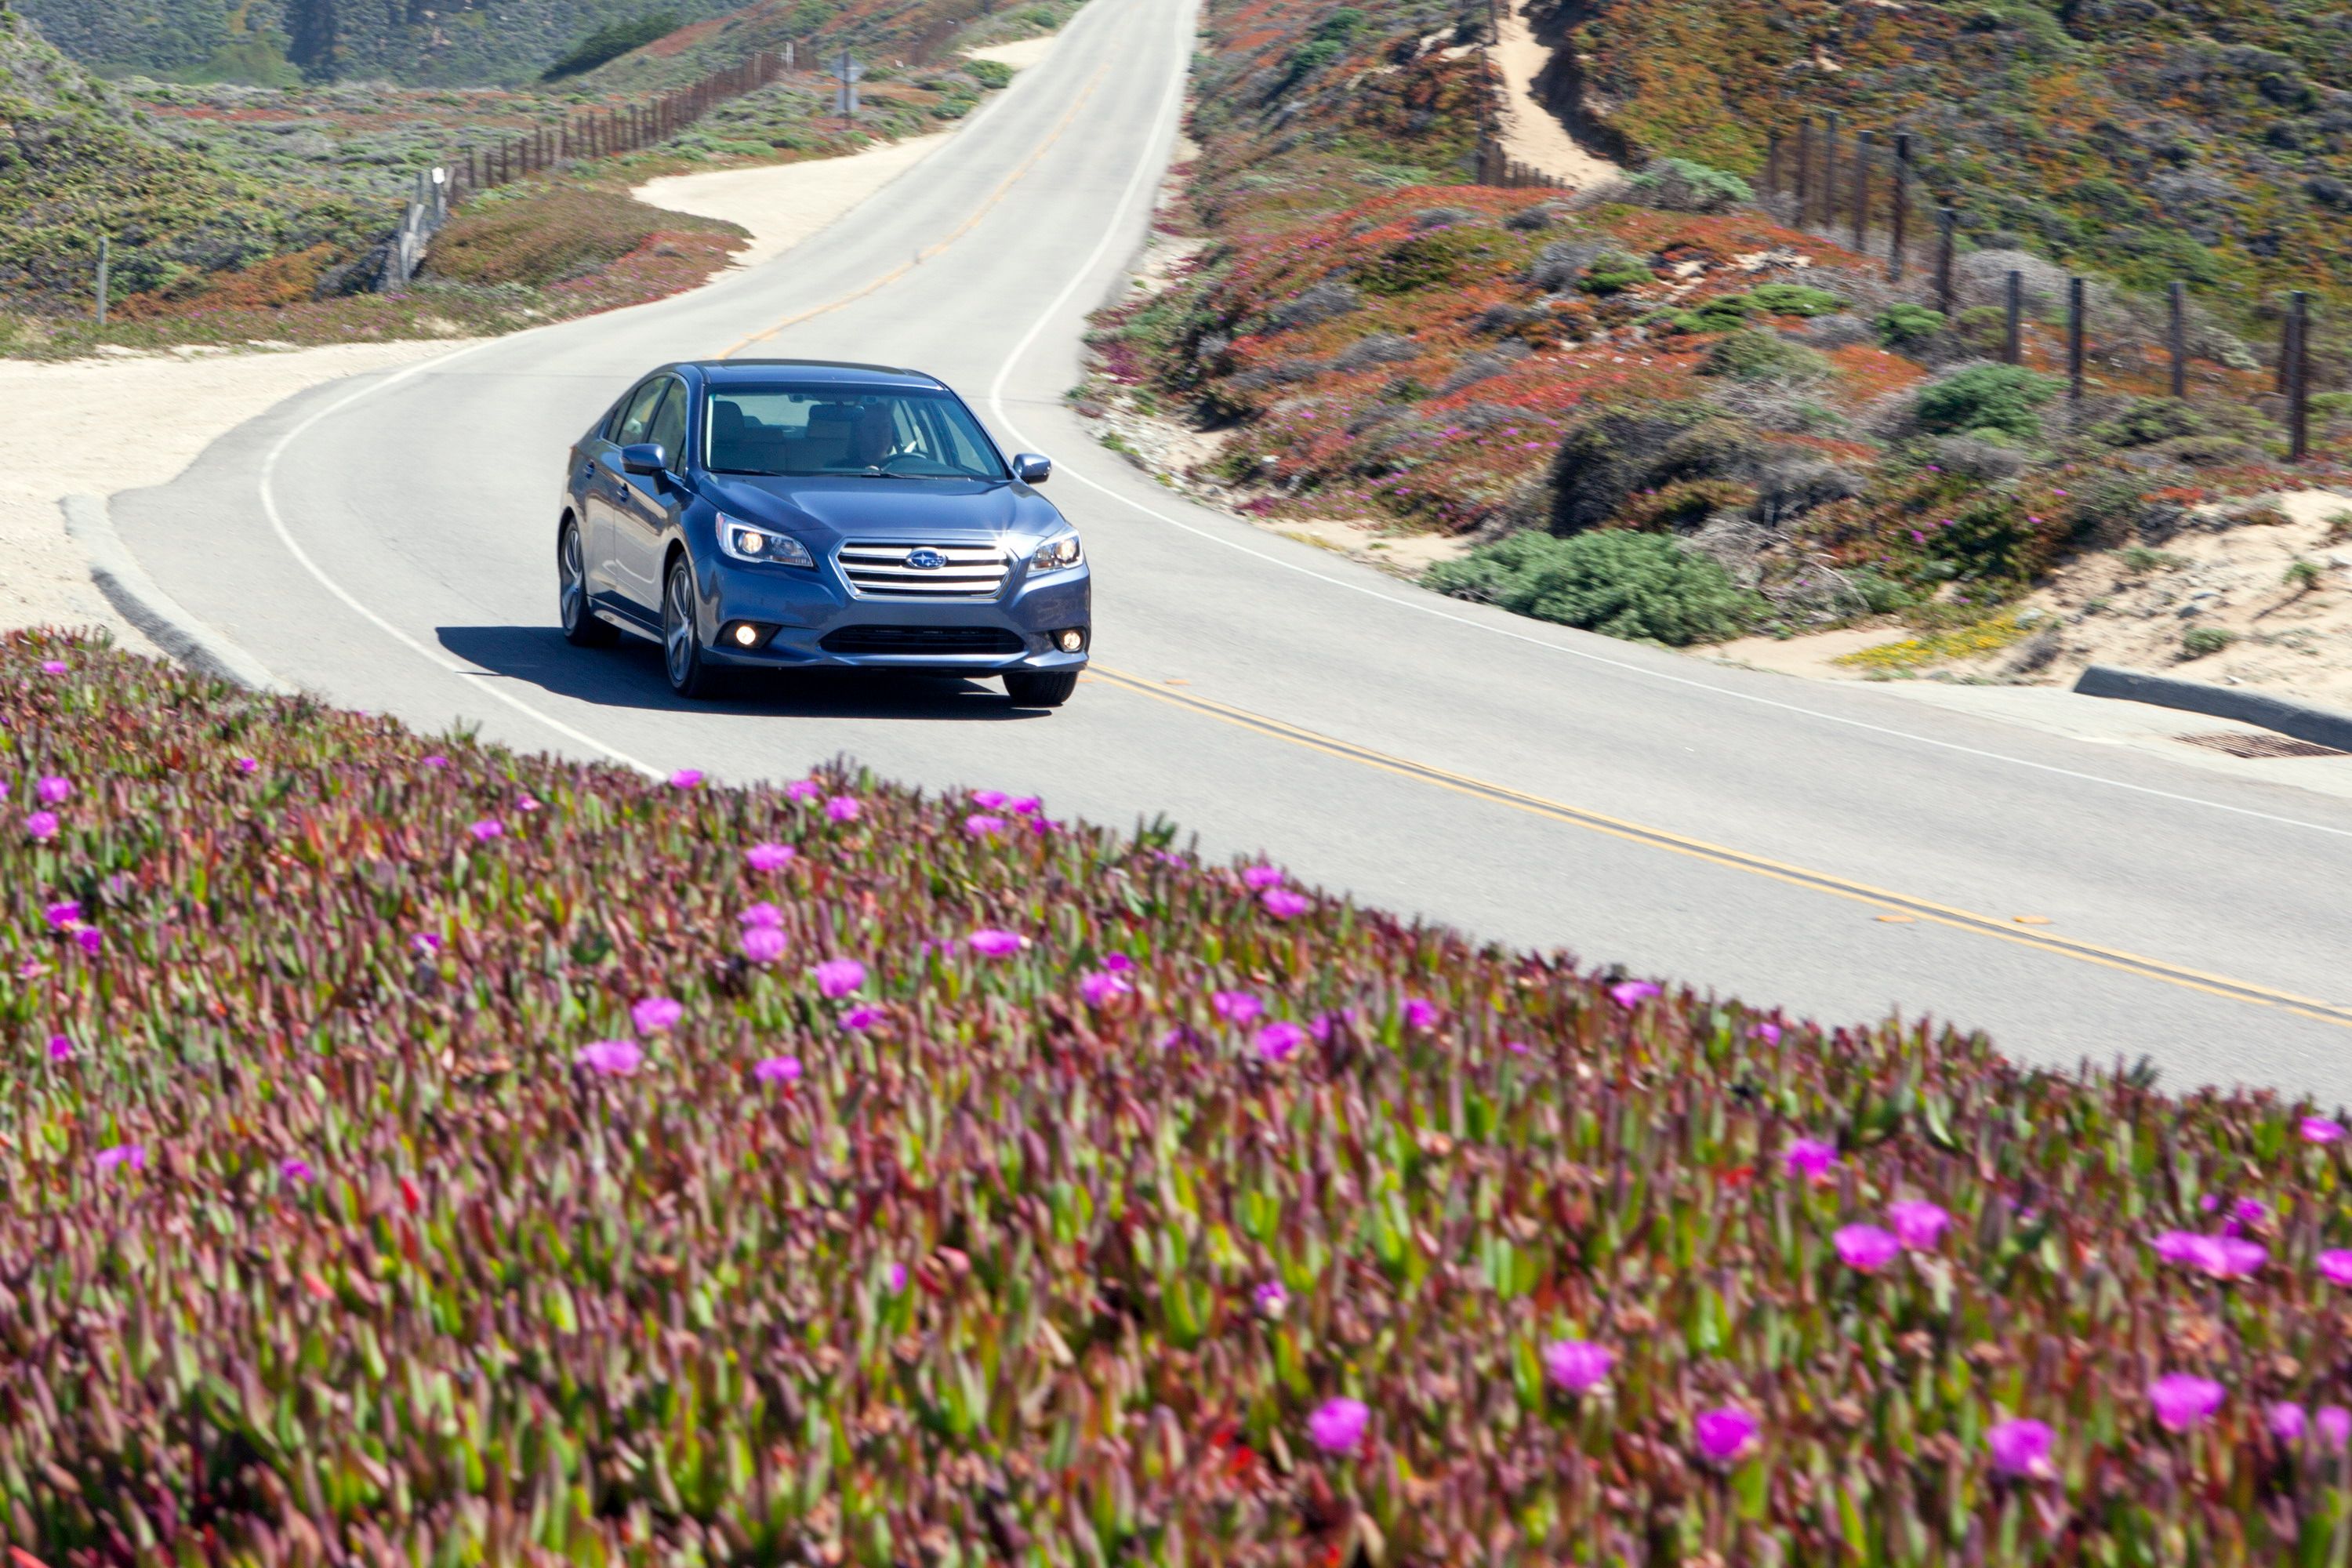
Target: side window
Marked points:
638	414
668	430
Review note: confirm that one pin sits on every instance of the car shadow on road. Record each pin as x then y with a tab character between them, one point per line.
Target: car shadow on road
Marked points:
630	676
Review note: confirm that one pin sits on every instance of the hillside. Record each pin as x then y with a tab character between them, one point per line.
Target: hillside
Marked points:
880	31
272	42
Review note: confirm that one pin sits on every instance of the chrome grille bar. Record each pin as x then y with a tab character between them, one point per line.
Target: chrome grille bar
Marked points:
880	570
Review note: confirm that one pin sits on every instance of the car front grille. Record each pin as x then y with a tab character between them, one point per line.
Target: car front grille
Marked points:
923	640
879	571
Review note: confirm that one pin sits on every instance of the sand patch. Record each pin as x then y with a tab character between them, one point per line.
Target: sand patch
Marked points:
1020	54
1529	131
780	204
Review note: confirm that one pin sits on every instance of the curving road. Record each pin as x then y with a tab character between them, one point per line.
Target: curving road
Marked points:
389	543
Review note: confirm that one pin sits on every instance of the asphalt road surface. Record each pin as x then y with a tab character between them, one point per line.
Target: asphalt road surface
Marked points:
390	542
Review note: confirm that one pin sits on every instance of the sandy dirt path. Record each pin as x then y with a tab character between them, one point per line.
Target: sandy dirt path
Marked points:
783	203
1530	132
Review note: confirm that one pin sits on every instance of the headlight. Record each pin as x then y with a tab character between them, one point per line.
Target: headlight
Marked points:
747	542
1055	554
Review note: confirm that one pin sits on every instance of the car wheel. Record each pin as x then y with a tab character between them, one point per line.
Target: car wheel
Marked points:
1041	688
580	626
682	659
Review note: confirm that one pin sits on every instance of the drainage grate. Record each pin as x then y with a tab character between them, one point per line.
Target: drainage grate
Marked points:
2239	745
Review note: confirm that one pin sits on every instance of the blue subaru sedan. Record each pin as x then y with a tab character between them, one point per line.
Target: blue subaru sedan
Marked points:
791	514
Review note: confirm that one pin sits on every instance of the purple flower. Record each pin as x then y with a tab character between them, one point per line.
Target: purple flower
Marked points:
51	790
525	802
2210	1203
843	808
762	914
979	825
897	1277
837	977
1279	1038
1420	1014
132	1155
1118	962
1865	1246
685	778
53	667
1027	805
1103	988
990	943
2250	1211
1238	1008
297	1170
1338	1425
41	824
2234	1258
988	799
1769	1033
426	943
2186	1249
1327	1024
1724	1433
863	1017
61	1048
2319	1130
436	760
1271	1297
803	789
1258	877
763	944
2020	1447
1810	1158
1516	1047
617	1058
1632	992
652	1015
248	765
1283	904
90	939
63	914
769	857
2183	1400
2285	1421
778	1070
1918	1224
489	827
2335	1266
2335	1427
1578	1366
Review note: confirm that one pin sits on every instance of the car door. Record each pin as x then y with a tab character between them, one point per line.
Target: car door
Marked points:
606	493
648	502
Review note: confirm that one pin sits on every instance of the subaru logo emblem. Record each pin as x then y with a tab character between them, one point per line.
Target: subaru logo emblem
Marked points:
925	561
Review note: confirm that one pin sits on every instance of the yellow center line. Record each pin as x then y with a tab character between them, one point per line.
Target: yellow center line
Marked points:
1880	898
969	223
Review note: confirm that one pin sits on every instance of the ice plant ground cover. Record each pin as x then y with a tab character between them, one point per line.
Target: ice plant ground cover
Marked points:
615	1187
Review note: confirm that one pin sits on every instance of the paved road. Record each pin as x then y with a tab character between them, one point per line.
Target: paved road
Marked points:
391	542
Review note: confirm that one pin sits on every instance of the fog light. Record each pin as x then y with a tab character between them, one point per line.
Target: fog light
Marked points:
746	635
1072	640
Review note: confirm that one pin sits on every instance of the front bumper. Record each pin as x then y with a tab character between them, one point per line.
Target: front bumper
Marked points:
818	624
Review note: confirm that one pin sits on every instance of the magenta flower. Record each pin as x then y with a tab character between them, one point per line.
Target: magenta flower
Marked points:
1327	1024
132	1155
897	1278
1258	877
1279	1038
2020	1447
990	942
489	827
53	667
1810	1158
426	943
652	1015
803	789
1578	1366
41	825
1768	1032
1420	1014
979	825
1272	1299
763	944
248	765
762	914
2182	1400
769	857
685	778
51	790
988	799
61	1048
525	802
863	1017
616	1058
1027	805
2250	1211
1283	904
1338	1425
2234	1258
2284	1420
1632	992
436	760
63	914
1724	1433
2186	1249
1865	1246
2335	1425
843	808
2319	1130
297	1170
2335	1266
778	1070
1118	962
1100	990
837	977
1238	1008
1919	1224
90	939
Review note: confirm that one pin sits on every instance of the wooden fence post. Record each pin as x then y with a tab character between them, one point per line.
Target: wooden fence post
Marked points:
2074	339
2012	343
105	266
1902	207
1830	171
2298	385
1945	219
2176	336
2284	377
1773	161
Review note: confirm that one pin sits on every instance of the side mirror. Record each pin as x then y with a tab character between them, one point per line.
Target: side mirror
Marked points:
645	458
1031	468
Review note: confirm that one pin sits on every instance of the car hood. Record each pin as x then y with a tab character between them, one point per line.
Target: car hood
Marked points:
912	511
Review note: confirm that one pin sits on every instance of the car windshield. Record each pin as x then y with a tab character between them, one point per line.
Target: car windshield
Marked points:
804	431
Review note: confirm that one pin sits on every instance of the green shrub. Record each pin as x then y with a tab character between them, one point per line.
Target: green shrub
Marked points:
1681	185
2138	558
2149	420
610	42
1794	299
1441	258
1907	327
990	74
1987	397
2198	642
1625	585
1614	272
1754	355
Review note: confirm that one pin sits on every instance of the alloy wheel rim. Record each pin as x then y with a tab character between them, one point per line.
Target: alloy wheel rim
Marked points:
572	587
679	635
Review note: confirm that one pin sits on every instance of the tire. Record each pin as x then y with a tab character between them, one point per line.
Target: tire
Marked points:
580	626
690	675
1041	688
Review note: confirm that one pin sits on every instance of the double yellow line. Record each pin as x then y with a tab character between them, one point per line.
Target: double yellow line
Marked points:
1880	898
1004	185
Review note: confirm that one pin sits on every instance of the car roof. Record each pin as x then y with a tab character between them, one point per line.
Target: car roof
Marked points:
735	372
